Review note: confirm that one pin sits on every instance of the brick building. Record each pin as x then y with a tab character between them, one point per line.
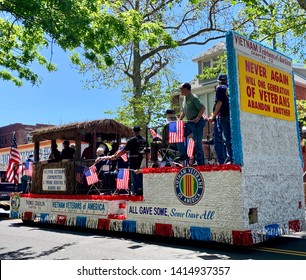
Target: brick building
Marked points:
22	133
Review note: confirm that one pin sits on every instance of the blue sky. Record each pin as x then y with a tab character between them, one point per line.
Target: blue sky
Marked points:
61	97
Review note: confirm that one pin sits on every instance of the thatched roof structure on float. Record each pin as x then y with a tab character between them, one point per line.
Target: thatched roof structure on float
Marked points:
108	128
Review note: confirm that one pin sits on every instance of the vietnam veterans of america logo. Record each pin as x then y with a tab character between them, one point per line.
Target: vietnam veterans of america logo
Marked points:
189	186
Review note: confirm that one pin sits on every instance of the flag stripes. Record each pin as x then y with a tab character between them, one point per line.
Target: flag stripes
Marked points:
28	168
91	175
154	134
190	147
80	173
123	179
12	174
176	132
124	157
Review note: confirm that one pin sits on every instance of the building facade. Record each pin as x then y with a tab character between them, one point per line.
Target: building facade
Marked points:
22	133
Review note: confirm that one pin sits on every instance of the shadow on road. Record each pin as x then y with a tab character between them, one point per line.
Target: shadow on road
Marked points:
281	248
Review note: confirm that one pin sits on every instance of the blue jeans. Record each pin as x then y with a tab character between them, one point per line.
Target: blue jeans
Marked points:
226	135
218	143
136	183
197	134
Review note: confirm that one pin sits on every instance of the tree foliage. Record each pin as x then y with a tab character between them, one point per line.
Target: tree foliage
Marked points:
301	108
282	24
30	26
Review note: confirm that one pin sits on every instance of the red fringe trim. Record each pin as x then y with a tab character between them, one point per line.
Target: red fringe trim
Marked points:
201	168
84	197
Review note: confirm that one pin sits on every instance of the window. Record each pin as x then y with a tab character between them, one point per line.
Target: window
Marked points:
29	137
204	65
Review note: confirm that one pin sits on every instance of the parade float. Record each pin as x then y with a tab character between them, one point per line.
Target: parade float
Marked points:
257	197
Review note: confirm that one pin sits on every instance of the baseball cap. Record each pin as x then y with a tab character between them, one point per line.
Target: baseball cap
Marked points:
136	128
222	77
186	85
170	112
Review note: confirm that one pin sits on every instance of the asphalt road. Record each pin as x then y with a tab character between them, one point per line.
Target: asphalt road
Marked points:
30	242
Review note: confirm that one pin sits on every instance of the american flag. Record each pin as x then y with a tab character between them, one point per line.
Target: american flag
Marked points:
123	179
91	175
80	173
176	132
13	164
124	157
154	134
28	168
190	147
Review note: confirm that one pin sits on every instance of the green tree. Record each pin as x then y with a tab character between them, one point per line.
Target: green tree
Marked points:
282	24
28	27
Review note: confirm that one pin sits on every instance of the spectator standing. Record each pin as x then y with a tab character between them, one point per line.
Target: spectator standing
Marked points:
134	146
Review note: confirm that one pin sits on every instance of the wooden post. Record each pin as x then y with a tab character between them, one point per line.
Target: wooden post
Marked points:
94	143
36	151
78	142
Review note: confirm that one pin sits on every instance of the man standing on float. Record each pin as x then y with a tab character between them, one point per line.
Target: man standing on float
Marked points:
222	108
193	109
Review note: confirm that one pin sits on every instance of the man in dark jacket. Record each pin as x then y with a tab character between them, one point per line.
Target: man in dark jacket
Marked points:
67	152
134	146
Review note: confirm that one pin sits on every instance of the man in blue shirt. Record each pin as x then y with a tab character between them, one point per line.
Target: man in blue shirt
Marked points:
222	112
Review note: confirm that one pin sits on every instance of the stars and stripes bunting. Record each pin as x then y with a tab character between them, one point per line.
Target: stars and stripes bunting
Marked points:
12	174
123	179
176	132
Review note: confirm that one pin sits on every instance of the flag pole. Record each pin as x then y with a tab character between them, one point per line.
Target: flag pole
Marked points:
146	145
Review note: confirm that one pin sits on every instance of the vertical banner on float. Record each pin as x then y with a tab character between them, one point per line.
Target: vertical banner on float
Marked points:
265	90
260	82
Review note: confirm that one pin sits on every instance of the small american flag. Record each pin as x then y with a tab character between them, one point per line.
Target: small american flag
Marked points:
154	134
176	132
80	173
28	168
14	161
123	179
124	157
91	175
190	147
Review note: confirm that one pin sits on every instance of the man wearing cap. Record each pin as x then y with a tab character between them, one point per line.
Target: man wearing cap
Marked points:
222	110
134	146
192	109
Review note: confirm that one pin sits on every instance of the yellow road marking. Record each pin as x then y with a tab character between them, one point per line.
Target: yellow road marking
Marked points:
280	251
